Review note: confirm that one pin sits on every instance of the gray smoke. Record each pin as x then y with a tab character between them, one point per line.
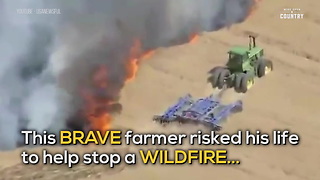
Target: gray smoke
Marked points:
46	59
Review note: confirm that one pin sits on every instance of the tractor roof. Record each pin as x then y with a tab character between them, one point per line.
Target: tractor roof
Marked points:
241	50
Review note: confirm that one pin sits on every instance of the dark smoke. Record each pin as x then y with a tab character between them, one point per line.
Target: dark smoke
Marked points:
46	59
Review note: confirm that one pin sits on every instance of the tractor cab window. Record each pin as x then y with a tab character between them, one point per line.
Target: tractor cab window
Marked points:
235	57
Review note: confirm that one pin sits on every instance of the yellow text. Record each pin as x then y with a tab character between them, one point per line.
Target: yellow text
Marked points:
183	157
96	137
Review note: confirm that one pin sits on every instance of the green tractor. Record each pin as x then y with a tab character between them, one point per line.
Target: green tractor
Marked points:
244	64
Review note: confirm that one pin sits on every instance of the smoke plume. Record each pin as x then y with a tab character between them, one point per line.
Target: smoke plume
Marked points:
47	61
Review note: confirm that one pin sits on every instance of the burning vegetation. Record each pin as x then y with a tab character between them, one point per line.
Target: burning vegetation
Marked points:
98	107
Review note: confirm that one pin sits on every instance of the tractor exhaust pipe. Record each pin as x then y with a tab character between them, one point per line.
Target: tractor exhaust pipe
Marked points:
252	42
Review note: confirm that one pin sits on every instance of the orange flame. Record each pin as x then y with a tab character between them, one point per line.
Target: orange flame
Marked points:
96	111
147	54
95	106
131	68
253	8
194	38
135	57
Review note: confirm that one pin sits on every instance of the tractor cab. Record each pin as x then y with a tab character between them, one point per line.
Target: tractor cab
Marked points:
240	57
237	57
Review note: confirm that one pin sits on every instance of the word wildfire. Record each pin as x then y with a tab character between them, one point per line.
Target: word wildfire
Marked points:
183	157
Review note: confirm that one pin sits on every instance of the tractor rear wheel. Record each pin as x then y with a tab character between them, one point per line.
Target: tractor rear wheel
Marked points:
246	83
243	83
237	82
264	67
224	73
214	76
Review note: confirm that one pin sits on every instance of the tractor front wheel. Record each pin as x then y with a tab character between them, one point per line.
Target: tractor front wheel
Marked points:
269	67
264	67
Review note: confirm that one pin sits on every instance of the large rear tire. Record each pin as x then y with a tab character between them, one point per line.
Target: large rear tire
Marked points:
243	83
237	82
246	83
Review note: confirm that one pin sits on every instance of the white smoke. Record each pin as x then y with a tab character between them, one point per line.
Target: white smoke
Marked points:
45	58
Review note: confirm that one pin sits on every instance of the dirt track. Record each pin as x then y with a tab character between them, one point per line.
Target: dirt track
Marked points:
289	98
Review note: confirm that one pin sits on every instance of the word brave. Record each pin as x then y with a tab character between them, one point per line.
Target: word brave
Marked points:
96	137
